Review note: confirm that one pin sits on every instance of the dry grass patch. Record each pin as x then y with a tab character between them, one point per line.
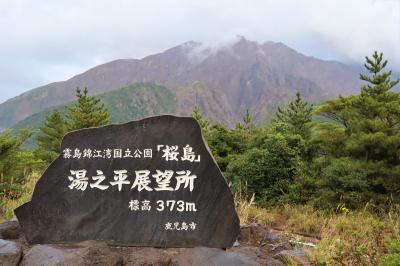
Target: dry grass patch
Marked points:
249	212
357	238
8	206
346	237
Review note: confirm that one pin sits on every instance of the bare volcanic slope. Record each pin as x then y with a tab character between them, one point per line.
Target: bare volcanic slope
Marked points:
224	82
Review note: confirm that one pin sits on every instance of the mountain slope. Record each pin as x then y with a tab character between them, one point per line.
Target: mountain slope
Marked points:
224	82
124	104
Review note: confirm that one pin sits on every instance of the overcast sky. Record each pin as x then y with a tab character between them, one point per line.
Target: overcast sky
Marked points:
46	41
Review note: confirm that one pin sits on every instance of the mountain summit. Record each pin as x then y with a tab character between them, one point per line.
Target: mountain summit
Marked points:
223	81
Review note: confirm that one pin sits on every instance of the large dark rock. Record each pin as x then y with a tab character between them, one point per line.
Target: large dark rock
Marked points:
65	208
10	253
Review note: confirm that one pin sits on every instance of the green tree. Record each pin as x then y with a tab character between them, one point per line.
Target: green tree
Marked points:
15	163
298	116
88	111
296	125
225	143
368	131
380	82
196	114
248	123
50	136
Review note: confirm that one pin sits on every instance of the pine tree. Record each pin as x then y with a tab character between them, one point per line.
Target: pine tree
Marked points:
379	82
196	114
369	129
51	134
88	111
375	115
248	124
297	116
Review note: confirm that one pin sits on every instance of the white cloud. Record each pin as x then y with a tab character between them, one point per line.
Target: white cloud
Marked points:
44	41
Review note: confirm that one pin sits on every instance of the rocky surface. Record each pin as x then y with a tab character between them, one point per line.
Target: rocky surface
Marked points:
297	256
10	229
257	245
10	252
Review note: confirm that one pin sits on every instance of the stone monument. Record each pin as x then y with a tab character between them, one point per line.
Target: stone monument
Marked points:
151	182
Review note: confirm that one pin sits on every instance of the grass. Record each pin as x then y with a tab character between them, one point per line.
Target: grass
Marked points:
248	212
344	237
298	219
358	238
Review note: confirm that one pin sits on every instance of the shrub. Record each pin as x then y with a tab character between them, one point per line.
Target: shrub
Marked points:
266	171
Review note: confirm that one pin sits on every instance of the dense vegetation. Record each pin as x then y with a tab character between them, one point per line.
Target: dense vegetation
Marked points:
348	157
16	163
338	157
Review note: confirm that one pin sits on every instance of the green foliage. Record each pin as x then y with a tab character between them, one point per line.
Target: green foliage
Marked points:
196	114
343	181
298	116
265	171
393	258
88	111
15	163
226	143
367	135
380	81
49	140
248	123
296	119
349	159
138	101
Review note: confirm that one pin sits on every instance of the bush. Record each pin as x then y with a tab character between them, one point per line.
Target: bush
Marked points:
344	182
266	171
